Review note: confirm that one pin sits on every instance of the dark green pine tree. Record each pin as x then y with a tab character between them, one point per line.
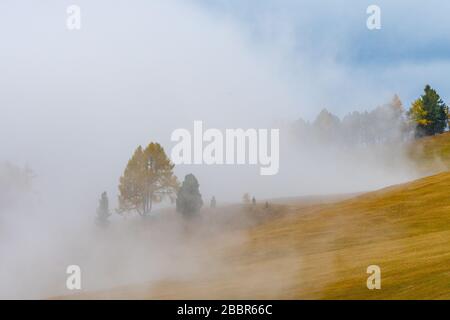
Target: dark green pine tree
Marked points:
189	199
436	112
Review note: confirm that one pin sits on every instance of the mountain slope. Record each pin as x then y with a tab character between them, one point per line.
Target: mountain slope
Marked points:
323	251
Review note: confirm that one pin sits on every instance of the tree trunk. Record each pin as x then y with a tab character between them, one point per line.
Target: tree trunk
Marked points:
147	205
150	204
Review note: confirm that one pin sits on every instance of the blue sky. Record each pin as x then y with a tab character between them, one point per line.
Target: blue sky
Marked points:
411	30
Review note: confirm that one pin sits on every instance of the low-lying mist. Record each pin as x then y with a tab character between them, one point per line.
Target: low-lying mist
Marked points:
75	105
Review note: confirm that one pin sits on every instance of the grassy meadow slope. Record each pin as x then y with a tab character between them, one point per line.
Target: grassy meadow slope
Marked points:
322	249
432	154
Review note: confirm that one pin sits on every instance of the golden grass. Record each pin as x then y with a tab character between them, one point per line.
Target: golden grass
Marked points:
403	229
431	154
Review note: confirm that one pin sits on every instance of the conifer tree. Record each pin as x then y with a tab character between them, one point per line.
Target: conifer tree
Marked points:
103	209
189	200
429	113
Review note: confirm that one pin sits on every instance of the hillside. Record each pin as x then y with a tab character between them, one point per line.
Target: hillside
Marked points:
322	251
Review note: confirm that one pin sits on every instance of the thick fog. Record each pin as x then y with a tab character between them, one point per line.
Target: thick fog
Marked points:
74	105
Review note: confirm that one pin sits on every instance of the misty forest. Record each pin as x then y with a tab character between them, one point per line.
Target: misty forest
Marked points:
88	180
